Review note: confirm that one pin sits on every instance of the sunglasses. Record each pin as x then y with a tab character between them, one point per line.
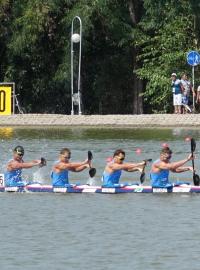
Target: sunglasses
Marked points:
20	154
122	158
167	156
66	157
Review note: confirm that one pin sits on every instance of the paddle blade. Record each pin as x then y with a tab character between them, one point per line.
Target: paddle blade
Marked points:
92	172
142	177
196	179
43	162
90	156
193	145
148	160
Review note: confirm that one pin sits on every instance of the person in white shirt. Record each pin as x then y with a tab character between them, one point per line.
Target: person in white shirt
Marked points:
177	89
187	89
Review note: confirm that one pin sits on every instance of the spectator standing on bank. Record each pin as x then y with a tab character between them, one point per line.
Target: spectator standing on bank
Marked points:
177	90
198	98
187	89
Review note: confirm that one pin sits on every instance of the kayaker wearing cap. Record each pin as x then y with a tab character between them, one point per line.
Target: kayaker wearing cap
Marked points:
13	174
177	90
159	174
113	169
61	168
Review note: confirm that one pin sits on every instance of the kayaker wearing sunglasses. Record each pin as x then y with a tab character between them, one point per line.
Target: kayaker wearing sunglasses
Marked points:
159	175
13	174
63	165
114	168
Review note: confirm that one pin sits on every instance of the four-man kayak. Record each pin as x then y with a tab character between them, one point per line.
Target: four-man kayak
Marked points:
184	188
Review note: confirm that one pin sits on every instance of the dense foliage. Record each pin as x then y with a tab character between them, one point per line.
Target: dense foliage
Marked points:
129	50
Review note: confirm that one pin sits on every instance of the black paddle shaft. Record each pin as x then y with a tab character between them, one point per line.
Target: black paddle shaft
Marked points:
193	147
90	156
196	178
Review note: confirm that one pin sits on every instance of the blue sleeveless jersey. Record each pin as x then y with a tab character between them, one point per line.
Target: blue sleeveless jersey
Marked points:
110	179
59	179
14	178
160	179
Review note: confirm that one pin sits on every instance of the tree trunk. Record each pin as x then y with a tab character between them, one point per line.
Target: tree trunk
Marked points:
135	7
137	96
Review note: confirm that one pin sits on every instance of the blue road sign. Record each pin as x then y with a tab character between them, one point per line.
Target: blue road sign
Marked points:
193	58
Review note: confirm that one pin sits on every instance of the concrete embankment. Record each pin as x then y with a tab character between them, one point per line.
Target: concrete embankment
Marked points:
129	121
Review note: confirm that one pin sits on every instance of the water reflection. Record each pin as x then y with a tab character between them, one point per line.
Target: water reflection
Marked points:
6	132
77	133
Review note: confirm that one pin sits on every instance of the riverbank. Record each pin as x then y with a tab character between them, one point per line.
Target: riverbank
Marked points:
129	121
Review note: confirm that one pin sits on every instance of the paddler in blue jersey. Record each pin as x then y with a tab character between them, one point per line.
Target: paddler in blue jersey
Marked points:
13	174
159	174
113	169
61	168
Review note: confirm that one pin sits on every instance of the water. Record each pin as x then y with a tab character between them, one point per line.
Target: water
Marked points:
96	231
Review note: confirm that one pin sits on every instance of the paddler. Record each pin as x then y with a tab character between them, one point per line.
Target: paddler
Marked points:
61	168
13	174
159	174
113	169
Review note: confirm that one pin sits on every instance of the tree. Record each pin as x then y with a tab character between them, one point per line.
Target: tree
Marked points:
165	34
129	50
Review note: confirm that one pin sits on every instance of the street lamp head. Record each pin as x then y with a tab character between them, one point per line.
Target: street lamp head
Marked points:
75	38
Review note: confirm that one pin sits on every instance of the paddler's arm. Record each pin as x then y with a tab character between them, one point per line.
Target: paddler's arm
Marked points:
130	167
139	167
72	166
183	169
81	168
23	165
173	165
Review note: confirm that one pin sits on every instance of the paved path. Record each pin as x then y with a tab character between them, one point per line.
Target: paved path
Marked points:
143	120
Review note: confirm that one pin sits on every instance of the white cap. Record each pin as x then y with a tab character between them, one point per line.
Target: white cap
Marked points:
174	74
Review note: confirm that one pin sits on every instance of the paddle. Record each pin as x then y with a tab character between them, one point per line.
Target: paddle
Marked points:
92	171
142	176
196	178
43	162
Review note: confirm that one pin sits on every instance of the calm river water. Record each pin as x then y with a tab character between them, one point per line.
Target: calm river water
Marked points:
96	231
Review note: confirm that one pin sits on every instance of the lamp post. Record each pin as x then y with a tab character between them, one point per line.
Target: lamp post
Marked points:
76	38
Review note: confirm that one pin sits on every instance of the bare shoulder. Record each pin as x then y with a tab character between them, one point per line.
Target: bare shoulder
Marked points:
13	164
59	164
111	165
158	164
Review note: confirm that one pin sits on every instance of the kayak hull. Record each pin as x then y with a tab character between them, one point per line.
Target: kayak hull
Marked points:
99	189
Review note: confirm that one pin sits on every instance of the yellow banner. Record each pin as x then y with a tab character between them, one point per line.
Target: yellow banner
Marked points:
5	99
